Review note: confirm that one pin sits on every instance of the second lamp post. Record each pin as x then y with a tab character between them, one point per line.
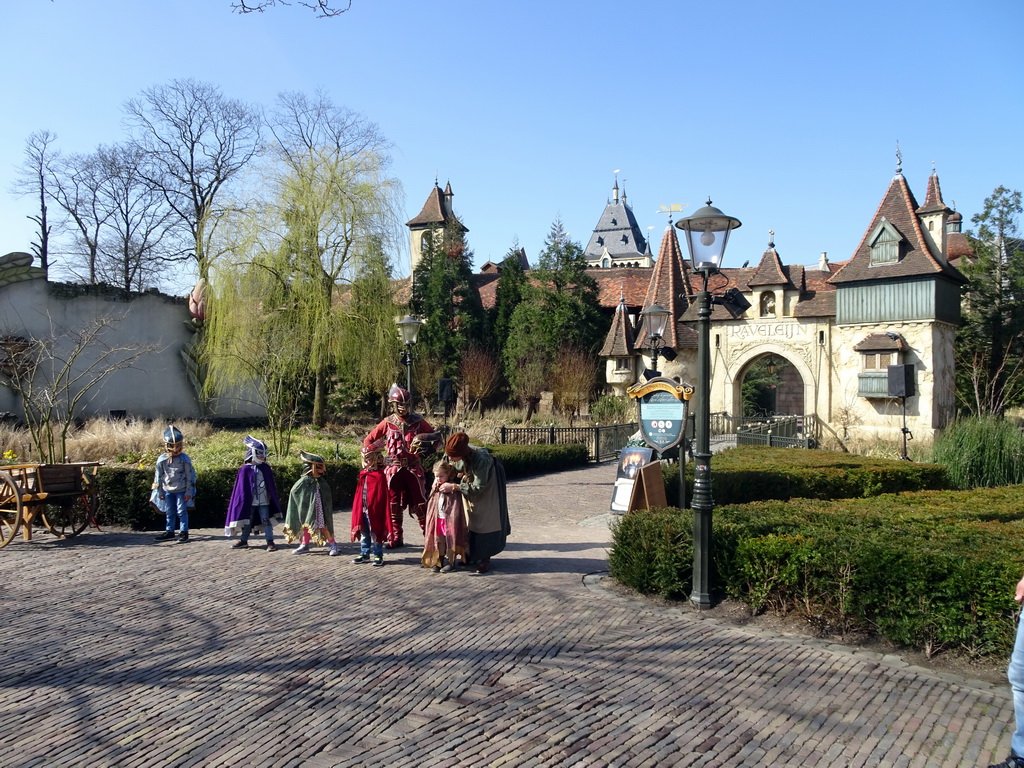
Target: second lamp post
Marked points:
410	329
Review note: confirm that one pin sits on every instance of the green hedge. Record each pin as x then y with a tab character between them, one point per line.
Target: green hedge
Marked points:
124	491
931	570
755	473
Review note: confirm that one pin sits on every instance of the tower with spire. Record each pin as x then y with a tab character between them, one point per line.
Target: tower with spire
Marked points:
617	240
436	214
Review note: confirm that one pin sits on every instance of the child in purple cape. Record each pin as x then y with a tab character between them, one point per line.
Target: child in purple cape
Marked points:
254	497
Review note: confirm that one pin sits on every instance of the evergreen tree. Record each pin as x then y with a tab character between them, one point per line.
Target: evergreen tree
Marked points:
990	341
508	293
443	297
559	310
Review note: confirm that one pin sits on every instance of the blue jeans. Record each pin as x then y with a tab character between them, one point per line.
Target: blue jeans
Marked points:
1016	675
176	508
263	510
367	540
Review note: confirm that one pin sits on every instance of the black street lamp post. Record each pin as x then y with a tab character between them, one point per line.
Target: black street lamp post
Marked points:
707	233
410	329
655	321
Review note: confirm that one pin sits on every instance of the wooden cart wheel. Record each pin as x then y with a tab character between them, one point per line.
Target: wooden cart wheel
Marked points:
72	516
10	509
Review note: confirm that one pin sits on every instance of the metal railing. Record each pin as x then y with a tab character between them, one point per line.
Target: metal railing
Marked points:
603	442
777	431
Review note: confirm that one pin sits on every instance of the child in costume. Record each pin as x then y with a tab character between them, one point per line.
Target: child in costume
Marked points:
446	533
174	485
254	497
310	507
370	507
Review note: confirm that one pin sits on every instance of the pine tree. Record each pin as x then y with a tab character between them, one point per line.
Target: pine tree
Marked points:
444	298
990	341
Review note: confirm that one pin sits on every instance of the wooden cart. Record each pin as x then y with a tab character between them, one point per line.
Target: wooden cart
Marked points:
62	496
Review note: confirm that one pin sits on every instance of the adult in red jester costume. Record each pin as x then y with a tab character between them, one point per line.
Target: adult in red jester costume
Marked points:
407	437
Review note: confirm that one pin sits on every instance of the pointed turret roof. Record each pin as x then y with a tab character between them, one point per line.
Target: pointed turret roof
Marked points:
619	341
617	231
899	209
933	197
436	211
770	270
668	287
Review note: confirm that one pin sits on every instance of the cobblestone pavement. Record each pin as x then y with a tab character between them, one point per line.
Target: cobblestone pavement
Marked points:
122	652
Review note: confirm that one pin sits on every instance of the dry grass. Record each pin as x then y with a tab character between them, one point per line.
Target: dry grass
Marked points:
103	440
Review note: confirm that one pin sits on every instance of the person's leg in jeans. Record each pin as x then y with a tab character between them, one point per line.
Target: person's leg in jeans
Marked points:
1015	673
268	530
182	511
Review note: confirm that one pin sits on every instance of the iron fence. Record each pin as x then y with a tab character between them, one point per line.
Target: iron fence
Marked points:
603	442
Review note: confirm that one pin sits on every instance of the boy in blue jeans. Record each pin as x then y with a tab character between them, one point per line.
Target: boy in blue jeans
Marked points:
174	485
370	507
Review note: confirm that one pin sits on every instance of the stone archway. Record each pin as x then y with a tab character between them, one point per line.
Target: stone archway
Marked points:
787	390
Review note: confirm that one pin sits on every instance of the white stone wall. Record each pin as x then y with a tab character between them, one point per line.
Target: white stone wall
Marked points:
155	387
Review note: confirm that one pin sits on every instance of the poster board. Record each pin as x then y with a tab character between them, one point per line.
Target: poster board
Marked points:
649	488
631	460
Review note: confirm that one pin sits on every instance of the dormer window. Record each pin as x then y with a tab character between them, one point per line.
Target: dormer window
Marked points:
886	244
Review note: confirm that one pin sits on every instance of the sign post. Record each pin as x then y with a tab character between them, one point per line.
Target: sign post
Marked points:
663	412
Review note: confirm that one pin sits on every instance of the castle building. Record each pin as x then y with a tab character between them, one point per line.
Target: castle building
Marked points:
832	330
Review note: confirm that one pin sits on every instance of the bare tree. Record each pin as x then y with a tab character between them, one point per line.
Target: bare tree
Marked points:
133	251
194	140
55	374
33	179
480	374
324	9
76	185
573	378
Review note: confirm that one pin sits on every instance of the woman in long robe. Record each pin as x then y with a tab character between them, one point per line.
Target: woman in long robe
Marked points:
483	489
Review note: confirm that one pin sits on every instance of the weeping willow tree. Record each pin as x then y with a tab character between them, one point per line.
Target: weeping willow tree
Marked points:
306	297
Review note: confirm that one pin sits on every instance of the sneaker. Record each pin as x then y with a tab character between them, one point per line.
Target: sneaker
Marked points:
1011	762
183	538
301	549
361	559
436	569
448	568
378	561
271	546
333	551
165	536
240	545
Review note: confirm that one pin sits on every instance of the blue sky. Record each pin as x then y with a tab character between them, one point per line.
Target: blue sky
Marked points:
787	114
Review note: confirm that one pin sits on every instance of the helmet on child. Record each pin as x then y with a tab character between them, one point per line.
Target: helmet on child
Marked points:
173	438
311	462
371	452
255	449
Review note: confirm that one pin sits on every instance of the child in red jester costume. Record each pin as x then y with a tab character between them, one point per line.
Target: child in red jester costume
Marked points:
407	437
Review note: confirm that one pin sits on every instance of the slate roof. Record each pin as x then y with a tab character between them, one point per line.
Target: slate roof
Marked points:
617	231
899	209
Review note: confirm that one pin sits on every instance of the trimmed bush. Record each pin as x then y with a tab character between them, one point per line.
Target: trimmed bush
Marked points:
756	473
932	570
